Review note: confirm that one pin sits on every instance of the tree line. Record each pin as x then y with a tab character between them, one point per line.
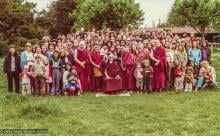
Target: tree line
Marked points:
20	22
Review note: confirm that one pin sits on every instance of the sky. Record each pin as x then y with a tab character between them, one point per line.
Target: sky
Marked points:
153	9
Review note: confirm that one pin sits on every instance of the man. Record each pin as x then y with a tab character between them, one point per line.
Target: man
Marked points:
81	58
159	76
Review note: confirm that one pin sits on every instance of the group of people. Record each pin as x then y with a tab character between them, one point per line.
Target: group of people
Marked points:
111	62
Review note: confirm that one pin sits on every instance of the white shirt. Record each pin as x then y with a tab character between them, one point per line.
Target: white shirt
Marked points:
30	58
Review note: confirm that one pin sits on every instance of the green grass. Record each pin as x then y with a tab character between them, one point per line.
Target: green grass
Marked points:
168	114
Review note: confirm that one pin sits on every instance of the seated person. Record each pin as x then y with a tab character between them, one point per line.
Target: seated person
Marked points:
73	83
112	81
207	76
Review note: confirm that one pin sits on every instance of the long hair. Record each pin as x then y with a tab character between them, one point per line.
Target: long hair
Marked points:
15	54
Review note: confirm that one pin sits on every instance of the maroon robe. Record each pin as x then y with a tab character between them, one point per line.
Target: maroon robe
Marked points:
129	63
115	83
96	82
159	76
82	55
143	55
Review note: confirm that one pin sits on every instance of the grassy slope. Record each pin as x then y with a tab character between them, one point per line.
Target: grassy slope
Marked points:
155	114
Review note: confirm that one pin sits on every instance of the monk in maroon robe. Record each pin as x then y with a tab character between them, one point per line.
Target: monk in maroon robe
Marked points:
128	64
97	75
112	81
159	75
82	66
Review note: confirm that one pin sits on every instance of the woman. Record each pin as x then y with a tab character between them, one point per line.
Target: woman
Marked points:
195	56
27	57
112	81
206	52
180	56
12	69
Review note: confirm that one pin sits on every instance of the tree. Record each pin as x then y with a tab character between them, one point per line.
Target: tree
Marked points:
198	14
17	22
114	14
59	16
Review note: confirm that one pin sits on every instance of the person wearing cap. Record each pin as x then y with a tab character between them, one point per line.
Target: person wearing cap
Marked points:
12	69
39	74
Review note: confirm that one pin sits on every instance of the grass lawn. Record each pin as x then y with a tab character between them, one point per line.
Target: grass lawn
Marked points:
170	113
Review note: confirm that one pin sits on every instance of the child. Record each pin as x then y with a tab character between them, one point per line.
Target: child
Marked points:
148	76
38	70
25	80
65	76
139	76
178	78
73	81
47	76
56	73
189	79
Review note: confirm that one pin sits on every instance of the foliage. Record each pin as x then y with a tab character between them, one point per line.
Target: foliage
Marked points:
198	14
17	21
58	14
114	14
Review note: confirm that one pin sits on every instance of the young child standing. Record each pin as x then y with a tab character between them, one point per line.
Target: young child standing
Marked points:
148	76
25	80
189	79
178	78
56	73
139	76
48	76
38	70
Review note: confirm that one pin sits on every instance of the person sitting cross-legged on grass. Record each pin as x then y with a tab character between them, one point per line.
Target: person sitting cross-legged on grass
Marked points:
207	76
